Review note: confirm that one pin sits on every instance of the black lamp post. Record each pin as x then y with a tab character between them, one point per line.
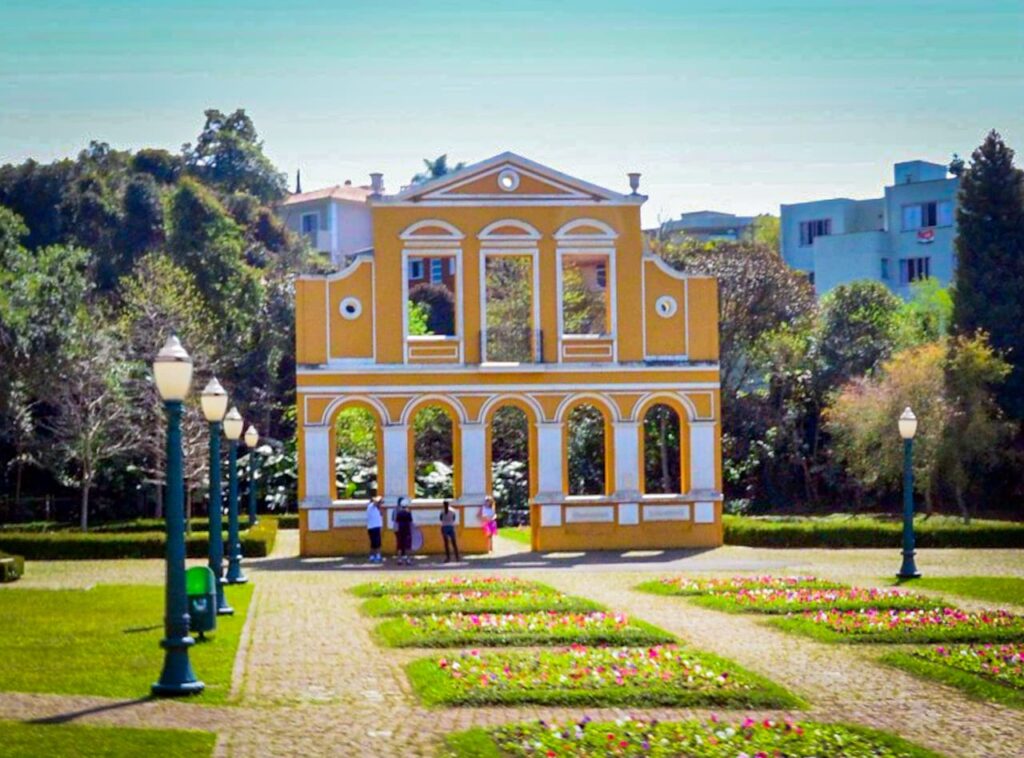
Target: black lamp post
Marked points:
233	431
908	428
215	403
252	437
172	373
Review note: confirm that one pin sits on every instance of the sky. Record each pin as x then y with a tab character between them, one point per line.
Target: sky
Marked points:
732	105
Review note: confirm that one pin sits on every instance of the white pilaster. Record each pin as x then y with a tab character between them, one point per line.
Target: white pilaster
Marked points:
702	456
549	462
626	441
472	467
396	462
317	452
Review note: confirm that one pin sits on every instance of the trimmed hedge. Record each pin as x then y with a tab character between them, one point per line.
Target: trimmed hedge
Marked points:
845	531
69	546
12	567
134	526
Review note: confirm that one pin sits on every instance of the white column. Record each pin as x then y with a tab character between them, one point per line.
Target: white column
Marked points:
396	462
549	462
472	467
702	456
626	440
317	454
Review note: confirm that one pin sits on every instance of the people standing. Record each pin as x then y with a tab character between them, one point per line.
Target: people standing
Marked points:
489	521
448	521
374	524
403	532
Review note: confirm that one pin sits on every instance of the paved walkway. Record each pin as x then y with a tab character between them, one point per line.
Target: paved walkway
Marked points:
310	681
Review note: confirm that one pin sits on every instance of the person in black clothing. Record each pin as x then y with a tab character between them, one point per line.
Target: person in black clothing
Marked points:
403	531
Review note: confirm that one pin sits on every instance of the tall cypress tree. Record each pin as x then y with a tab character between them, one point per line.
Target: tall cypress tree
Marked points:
989	283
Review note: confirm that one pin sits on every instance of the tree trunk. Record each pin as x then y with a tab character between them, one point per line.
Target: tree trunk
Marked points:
17	483
160	500
86	486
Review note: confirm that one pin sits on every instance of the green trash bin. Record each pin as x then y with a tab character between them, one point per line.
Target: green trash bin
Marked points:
201	588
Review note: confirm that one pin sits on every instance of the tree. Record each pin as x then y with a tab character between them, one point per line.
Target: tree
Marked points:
229	154
436	168
93	423
858	330
584	310
989	276
766	230
926	317
440	305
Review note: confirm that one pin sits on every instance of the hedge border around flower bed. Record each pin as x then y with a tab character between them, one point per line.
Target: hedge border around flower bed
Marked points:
547	601
393	633
257	542
431	685
401	586
973	685
865	532
12	567
823	634
477	742
727	603
661	587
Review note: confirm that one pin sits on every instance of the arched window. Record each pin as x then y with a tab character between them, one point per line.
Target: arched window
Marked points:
356	451
585	434
434	453
662	451
510	464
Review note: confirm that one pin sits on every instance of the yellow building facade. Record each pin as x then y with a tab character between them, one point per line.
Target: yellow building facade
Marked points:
603	323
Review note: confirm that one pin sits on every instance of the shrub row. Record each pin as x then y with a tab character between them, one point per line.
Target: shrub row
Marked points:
139	525
69	546
865	532
11	567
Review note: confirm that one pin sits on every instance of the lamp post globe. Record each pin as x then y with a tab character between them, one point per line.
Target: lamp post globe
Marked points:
172	374
233	425
214	400
252	438
907	425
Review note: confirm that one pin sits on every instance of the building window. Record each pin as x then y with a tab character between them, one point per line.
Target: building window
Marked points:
436	270
310	225
924	215
885	268
811	229
415	269
914	269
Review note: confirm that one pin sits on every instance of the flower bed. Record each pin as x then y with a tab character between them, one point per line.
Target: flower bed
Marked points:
694	739
477	601
993	672
805	599
683	585
579	675
444	584
930	625
497	629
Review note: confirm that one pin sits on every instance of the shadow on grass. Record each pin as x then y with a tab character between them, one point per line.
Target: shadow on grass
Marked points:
65	718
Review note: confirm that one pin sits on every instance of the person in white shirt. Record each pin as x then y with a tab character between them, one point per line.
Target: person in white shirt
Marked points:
374	524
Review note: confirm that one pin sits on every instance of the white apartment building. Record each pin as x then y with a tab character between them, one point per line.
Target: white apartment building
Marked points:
896	239
335	220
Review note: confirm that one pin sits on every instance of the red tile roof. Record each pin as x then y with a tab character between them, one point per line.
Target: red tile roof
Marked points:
337	192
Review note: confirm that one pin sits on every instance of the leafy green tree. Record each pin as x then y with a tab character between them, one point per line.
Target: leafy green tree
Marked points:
509	286
433	453
586	434
229	154
436	168
858	330
989	276
766	230
926	316
163	166
583	308
439	307
661	450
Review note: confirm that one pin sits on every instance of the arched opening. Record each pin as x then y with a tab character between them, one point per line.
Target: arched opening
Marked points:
586	451
511	478
356	445
434	448
662	451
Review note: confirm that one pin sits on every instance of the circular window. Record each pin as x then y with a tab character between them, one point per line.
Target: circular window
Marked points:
508	180
666	306
351	308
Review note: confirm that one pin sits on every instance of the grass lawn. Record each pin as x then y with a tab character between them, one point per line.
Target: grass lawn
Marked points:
694	739
18	740
105	641
796	601
445	584
602	676
497	630
995	589
478	601
520	534
904	627
684	585
962	672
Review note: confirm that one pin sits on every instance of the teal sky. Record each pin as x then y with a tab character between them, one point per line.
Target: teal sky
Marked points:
723	104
